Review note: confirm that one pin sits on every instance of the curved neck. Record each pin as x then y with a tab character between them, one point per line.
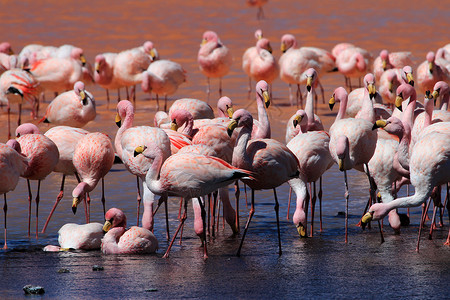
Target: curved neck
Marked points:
403	147
151	178
240	157
444	101
81	189
110	240
309	107
350	64
408	114
419	197
429	106
263	118
367	111
342	108
127	123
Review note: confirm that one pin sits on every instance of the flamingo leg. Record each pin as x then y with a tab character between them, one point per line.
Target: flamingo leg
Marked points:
133	94
103	196
320	202
118	95
128	95
5	209
289	203
209	214
19	121
29	207
207	89
322	91
346	206
107	98
422	222
139	199
58	199
291	98
214	214
437	204
220	87
157	103
249	87
250	215
165	103
179	211
313	206
167	220
37	207
202	207
88	203
237	193
183	218
277	208
8	109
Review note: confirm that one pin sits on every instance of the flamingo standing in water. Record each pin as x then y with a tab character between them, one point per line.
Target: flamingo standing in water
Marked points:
43	155
353	62
163	77
429	73
93	158
74	108
271	162
390	60
12	166
187	175
119	240
199	109
104	73
126	140
249	54
66	138
214	58
259	4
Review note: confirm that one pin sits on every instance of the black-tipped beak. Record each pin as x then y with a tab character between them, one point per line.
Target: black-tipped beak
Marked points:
74	209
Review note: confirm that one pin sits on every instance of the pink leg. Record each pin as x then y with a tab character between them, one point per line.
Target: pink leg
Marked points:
203	214
237	193
103	196
139	199
320	203
29	207
167	220
58	199
183	218
346	206
8	109
107	98
276	208
37	207
313	206
251	213
5	209
289	203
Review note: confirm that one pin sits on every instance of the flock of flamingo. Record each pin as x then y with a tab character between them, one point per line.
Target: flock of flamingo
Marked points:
190	152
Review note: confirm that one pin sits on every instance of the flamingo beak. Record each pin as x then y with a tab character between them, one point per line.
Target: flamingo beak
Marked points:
379	124
174	125
297	120
366	219
269	48
118	120
309	83
107	226
83	60
435	95
301	230
139	150
341	164
97	67
203	42
391	87
410	78
430	67
231	126
372	90
230	112
398	102
332	102
283	47
153	54
384	64
266	98
75	202
83	97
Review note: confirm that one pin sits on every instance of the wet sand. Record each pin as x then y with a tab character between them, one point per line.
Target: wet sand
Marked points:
319	267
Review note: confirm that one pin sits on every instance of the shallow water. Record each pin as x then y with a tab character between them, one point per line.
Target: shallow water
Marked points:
319	267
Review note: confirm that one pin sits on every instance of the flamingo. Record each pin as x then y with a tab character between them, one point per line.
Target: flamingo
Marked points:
214	58
313	121
271	162
12	166
93	158
104	73
187	175
78	237
441	90
43	156
224	113
15	86
429	167
6	48
126	140
390	80
249	54
259	4
312	151
163	77
119	240
74	108
66	139
428	73
199	109
390	60
352	141
353	62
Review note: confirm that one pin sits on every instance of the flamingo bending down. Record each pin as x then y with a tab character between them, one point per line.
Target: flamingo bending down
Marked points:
74	108
66	138
271	162
163	77
126	140
187	175
78	237
15	86
93	158
119	240
43	155
12	166
386	61
214	58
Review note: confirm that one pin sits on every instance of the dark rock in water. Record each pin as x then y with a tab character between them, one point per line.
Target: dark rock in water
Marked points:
63	270
97	268
33	290
404	219
340	214
151	290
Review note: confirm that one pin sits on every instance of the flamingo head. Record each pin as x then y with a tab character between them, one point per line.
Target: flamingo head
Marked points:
225	107
80	91
440	88
430	59
384	55
124	108
99	62
407	75
264	43
114	217
369	83
311	77
288	41
210	36
262	91
151	50
392	125
78	53
376	212
26	128
404	91
258	34
300	118
342	151
339	95
13	143
180	117
241	118
5	47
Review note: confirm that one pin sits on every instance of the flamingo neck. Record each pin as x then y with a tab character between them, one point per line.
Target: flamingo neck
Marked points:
403	147
110	240
240	157
408	114
342	108
429	106
367	111
151	178
126	124
360	62
301	192
264	131
188	126
309	108
444	101
82	188
419	197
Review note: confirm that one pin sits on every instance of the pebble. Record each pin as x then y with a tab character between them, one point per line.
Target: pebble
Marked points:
33	289
97	268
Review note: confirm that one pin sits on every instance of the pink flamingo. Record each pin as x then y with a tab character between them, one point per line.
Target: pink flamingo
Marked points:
295	61
259	4
353	62
104	73
352	141
390	80
74	108
119	240
214	59
249	54
66	138
93	158
312	151
12	165
428	73
271	162
429	167
199	109
441	90
163	77
43	156
78	237
390	60
6	48
224	113
313	121
15	86
126	140
187	175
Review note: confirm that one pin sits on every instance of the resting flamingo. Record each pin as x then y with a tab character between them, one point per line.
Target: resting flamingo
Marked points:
93	158
390	60
428	73
66	139
74	108
271	162
78	237
163	77
187	175
119	240
12	166
442	90
43	155
214	58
